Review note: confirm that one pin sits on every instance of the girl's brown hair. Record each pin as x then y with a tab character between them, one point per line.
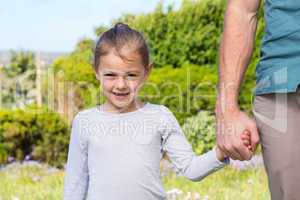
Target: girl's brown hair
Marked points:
116	38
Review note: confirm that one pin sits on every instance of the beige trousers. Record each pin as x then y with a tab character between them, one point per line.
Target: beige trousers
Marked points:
278	121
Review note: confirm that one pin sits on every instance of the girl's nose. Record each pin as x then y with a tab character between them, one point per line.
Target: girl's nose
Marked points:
121	83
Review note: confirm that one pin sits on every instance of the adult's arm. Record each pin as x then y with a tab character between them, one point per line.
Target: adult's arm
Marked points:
234	56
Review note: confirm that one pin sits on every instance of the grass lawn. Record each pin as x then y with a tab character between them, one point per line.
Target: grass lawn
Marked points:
36	182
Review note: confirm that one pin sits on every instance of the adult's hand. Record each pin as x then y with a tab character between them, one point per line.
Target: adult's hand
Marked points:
230	125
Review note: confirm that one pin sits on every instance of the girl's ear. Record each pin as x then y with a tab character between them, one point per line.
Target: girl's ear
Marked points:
97	76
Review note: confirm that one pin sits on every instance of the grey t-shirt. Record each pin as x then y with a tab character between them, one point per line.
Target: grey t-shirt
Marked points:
117	156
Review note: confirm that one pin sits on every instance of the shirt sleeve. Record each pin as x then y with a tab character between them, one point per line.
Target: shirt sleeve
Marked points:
76	175
181	154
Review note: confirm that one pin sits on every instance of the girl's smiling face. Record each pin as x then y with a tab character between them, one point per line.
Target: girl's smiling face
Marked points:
121	79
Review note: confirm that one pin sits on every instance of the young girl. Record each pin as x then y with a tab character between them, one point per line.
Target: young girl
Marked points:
115	148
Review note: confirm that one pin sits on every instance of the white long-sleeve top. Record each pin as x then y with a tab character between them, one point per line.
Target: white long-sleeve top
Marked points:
117	156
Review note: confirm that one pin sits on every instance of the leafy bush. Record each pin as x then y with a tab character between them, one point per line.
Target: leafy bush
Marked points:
184	90
201	131
41	134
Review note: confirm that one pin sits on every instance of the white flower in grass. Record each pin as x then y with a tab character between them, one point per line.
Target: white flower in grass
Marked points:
197	196
172	194
206	197
10	159
250	181
27	157
15	198
36	178
188	196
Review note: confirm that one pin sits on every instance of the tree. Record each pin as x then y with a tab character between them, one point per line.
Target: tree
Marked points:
20	63
18	87
100	29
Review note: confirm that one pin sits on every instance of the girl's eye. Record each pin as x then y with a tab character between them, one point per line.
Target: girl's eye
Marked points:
132	76
110	75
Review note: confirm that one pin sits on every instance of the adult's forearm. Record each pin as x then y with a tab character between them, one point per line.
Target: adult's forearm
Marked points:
235	51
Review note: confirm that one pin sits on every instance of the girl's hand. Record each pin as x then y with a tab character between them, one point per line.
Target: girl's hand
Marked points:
246	139
220	154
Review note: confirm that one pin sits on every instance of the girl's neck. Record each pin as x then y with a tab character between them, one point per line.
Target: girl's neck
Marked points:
135	105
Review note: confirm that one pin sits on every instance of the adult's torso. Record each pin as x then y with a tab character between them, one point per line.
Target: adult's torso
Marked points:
279	66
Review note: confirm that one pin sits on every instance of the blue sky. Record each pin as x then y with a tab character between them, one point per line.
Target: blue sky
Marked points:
57	25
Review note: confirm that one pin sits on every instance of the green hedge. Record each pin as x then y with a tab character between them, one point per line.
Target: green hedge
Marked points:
40	133
184	90
201	131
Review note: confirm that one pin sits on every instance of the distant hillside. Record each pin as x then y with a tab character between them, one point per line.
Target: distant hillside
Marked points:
47	57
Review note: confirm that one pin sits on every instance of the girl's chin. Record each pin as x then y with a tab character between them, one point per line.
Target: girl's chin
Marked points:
120	103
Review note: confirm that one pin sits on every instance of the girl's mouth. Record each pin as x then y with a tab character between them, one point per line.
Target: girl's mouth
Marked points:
121	94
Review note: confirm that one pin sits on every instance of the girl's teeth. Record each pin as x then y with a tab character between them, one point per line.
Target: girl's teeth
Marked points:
121	94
